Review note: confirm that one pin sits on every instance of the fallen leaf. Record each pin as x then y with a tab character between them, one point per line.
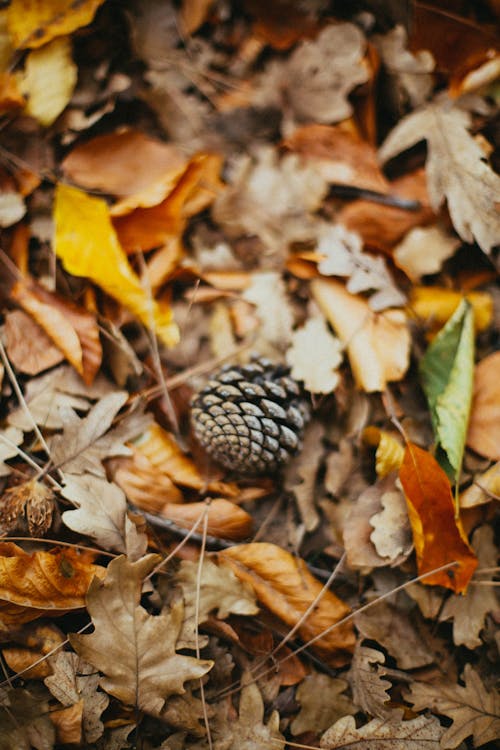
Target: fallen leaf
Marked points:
74	681
193	14
145	486
322	702
378	344
32	23
73	329
283	23
417	734
249	730
423	251
68	723
344	256
12	208
29	348
484	488
36	641
10	440
284	585
468	612
48	80
390	452
224	519
216	590
124	163
137	656
368	684
456	169
30	503
484	425
314	356
87	245
42	583
437	534
472	709
268	293
391	533
435	305
446	373
301	473
411	72
102	515
25	720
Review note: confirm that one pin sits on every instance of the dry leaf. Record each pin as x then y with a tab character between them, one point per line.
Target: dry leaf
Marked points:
314	356
145	486
224	519
423	251
390	452
10	440
68	723
378	344
87	244
301	473
137	656
249	730
30	503
42	583
484	424
418	734
71	328
48	80
344	256
32	23
321	703
74	681
102	515
29	348
472	709
411	72
484	488
456	169
37	640
25	721
284	585
267	292
391	533
468	612
216	590
438	536
368	683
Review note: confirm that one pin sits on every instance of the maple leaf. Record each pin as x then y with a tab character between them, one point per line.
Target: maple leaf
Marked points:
73	680
456	169
472	709
102	514
220	591
418	734
314	356
135	650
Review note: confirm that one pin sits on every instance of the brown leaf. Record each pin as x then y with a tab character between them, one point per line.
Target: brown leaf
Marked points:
42	583
29	348
368	683
249	730
25	720
321	703
438	536
145	486
32	502
484	425
472	709
68	723
137	656
418	734
35	640
485	488
284	585
71	328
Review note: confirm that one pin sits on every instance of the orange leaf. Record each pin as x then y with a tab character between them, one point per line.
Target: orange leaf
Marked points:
29	348
484	424
71	328
42	583
38	640
284	585
225	519
438	536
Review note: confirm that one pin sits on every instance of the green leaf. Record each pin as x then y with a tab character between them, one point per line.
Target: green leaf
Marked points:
446	373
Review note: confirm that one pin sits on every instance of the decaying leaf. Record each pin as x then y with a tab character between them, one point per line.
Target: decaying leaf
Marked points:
417	734
137	655
484	488
25	720
249	730
378	344
437	534
368	683
314	356
220	591
87	245
446	372
473	709
484	425
30	503
284	585
321	703
42	583
456	169
102	515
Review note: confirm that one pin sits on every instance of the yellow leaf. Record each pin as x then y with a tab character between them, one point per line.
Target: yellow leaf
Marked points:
48	80
87	244
33	23
436	305
390	452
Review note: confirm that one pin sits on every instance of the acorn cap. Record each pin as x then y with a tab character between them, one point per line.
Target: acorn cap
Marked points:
250	418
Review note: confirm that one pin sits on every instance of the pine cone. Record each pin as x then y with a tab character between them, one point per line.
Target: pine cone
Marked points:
250	418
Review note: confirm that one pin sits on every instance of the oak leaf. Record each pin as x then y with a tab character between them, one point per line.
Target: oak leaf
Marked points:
438	536
322	702
135	650
249	732
418	734
378	344
472	709
484	425
87	245
284	585
456	169
368	683
42	583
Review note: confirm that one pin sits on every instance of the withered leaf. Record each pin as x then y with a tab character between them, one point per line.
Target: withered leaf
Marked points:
368	683
135	650
249	730
418	734
25	720
322	702
29	348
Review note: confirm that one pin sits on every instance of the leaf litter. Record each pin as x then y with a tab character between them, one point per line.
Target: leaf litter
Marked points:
184	185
